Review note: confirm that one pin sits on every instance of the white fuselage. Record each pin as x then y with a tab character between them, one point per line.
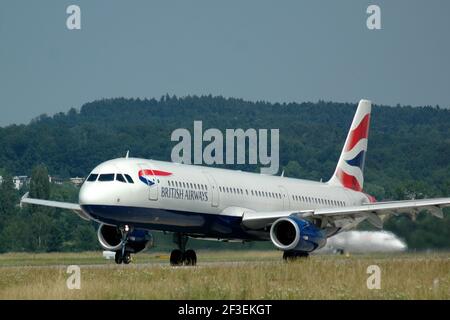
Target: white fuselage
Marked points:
198	200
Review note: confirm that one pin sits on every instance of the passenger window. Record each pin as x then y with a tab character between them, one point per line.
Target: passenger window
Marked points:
129	178
120	178
92	177
106	177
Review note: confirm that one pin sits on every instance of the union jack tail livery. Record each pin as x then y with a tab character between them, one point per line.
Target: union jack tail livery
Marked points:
350	168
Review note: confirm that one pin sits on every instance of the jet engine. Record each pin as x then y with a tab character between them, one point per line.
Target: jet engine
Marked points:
110	238
292	233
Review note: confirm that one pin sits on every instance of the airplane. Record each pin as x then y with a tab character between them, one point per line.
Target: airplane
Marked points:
130	197
363	242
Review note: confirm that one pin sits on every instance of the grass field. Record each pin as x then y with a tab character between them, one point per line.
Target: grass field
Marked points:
226	275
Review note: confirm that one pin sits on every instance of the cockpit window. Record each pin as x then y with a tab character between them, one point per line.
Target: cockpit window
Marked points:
129	179
106	177
120	178
92	177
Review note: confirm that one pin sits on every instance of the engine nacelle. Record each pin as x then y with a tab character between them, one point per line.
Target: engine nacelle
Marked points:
292	233
110	238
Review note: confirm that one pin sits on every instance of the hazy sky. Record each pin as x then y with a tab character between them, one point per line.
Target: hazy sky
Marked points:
258	50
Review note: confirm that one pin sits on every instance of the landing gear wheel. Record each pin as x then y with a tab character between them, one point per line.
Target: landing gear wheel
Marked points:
176	257
190	258
118	257
294	255
126	258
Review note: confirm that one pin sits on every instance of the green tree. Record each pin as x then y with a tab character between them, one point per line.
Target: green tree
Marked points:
40	185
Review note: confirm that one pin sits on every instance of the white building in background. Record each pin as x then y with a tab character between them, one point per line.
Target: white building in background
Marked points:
55	180
77	181
20	181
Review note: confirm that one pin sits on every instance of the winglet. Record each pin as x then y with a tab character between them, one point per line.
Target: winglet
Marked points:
25	196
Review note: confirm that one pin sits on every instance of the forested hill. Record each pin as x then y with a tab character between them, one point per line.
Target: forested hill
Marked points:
409	148
408	156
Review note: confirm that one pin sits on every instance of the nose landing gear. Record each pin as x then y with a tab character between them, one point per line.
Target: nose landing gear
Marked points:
181	256
123	256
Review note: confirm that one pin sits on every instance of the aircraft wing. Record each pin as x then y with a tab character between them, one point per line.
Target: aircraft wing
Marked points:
340	216
55	204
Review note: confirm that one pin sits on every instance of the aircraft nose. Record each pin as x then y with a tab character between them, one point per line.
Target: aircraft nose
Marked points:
86	195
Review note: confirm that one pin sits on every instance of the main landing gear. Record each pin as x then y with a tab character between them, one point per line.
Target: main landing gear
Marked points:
291	255
181	256
123	256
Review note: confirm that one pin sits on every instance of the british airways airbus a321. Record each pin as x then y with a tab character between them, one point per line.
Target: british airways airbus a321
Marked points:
129	197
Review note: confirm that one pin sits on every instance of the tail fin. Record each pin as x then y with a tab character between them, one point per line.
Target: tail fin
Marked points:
350	168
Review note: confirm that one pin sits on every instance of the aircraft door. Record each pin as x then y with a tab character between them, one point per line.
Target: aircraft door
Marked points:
146	175
285	198
214	189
